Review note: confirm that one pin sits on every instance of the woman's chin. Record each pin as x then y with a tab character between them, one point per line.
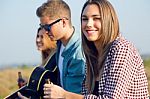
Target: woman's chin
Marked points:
39	49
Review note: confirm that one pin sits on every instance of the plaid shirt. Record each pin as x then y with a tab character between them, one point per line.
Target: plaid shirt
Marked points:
123	75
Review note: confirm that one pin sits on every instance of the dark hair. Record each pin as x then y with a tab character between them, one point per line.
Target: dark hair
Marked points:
39	29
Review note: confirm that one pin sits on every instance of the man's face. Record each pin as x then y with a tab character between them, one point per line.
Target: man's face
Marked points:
52	27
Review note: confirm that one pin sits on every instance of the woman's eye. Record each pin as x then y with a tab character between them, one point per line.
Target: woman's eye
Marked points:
97	18
84	19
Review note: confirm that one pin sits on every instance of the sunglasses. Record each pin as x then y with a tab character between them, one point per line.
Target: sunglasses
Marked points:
47	27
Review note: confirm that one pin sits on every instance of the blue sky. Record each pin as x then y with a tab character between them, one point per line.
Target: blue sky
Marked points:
19	23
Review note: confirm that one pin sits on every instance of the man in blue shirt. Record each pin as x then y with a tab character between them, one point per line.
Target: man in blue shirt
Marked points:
55	18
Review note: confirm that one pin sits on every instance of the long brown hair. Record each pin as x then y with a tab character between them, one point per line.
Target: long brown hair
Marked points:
109	31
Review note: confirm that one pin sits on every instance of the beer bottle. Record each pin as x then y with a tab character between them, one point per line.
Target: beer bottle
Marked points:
21	81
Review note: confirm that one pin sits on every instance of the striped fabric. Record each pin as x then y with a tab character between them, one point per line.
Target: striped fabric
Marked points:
123	76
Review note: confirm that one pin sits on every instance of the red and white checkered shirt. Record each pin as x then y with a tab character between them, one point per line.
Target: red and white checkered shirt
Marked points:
123	76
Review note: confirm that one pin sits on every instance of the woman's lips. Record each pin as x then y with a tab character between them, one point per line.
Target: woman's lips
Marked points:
90	32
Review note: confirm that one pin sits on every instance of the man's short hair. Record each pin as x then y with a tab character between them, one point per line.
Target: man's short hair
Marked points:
54	9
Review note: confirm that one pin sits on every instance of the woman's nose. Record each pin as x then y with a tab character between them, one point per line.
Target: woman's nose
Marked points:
38	39
89	23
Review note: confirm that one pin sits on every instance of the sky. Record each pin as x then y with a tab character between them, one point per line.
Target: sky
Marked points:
19	23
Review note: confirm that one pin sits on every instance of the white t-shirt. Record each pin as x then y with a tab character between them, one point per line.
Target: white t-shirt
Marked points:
60	63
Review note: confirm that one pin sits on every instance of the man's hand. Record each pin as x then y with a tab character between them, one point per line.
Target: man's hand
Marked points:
53	91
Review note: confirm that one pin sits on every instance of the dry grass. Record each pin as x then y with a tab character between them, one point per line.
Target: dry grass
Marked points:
147	70
8	79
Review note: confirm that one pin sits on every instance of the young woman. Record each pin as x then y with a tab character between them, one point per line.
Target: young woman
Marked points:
47	48
115	69
45	45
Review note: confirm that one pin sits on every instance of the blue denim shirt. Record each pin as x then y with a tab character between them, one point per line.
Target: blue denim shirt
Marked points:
73	64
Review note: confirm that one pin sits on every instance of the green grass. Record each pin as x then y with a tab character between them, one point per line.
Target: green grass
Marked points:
147	63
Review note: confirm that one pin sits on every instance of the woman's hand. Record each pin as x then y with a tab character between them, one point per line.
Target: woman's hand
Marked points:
53	91
21	96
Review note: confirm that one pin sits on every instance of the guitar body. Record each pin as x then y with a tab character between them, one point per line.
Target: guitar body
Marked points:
34	88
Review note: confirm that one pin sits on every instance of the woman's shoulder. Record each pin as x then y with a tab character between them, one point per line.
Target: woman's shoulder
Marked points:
122	43
126	48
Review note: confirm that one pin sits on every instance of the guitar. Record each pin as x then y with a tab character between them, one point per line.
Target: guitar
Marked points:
34	88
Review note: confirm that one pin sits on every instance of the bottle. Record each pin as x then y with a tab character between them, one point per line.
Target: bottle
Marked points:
21	81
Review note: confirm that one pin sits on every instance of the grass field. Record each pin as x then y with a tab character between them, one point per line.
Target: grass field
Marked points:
8	78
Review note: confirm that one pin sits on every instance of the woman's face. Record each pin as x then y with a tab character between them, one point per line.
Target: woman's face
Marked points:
91	22
43	41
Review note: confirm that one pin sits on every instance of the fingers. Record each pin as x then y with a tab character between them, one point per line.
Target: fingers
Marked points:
52	91
21	96
47	94
47	97
47	90
48	85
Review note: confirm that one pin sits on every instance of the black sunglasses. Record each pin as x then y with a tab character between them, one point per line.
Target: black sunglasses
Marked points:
47	27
